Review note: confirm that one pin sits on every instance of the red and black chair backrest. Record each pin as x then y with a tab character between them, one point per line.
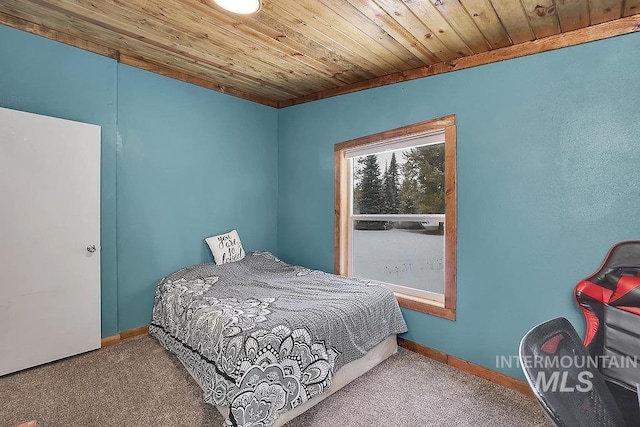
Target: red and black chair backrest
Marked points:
610	302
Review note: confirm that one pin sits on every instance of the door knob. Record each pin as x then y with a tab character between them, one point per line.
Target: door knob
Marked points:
91	248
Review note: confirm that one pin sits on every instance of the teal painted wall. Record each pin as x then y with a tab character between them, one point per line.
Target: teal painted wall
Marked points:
179	163
548	180
44	77
192	163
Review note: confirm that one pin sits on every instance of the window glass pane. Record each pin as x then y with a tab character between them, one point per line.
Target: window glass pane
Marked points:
396	213
406	253
408	181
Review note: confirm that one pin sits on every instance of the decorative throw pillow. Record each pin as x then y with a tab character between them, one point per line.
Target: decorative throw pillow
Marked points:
226	247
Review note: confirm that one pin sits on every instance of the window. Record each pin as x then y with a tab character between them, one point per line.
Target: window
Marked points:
396	213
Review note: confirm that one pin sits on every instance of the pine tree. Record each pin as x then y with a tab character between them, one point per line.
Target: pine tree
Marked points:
423	184
371	201
409	192
392	187
370	197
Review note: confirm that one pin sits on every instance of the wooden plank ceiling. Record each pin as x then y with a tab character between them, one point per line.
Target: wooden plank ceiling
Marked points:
293	51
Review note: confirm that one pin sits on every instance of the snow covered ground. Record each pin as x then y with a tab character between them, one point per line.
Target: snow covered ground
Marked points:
402	257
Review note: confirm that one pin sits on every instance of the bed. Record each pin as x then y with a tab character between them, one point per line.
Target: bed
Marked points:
266	340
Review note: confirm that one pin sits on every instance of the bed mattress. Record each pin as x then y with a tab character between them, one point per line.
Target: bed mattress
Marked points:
263	337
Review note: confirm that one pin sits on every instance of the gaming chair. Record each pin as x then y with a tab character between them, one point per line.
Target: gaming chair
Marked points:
610	302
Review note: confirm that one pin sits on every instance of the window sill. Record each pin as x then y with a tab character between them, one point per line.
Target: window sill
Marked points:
423	305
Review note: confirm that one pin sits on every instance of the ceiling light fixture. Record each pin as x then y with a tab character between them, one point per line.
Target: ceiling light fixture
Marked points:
243	7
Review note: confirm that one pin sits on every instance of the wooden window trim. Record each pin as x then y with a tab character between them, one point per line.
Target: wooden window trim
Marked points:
341	251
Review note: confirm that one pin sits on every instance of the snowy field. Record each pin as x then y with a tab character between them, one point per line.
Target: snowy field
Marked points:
402	257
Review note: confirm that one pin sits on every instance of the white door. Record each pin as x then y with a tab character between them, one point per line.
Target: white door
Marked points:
49	224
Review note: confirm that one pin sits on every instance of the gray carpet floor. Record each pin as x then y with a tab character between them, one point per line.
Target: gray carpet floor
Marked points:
138	383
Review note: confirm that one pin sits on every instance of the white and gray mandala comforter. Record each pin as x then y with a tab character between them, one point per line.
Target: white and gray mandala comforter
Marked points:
262	336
